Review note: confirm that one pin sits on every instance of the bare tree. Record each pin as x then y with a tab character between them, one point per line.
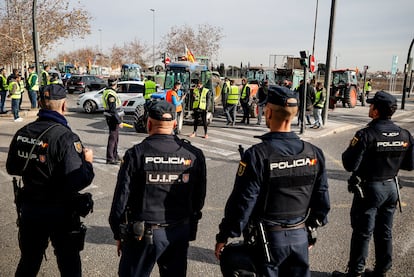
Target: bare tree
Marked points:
205	41
55	20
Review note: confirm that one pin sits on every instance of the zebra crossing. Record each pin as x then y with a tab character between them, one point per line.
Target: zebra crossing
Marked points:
223	142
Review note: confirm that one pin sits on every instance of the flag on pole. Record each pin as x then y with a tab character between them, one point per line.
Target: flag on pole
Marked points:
189	55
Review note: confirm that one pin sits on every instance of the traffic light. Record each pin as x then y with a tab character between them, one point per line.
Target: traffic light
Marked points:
303	59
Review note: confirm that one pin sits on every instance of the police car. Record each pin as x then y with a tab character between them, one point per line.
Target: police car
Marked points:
91	102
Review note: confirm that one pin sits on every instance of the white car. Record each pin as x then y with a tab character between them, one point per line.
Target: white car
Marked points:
91	102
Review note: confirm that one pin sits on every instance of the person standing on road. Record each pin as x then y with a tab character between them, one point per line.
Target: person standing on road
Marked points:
225	90
45	75
262	99
375	155
318	104
150	87
201	105
231	104
4	88
158	199
111	104
54	167
32	87
172	96
15	94
368	87
283	200
244	101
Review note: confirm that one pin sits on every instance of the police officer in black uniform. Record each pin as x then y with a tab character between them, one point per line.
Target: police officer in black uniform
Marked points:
112	104
375	155
158	198
281	188
54	166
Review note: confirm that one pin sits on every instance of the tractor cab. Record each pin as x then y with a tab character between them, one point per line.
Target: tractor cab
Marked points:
130	72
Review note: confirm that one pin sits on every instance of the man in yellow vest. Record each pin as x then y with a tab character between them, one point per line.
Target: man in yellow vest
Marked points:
150	88
15	95
201	105
111	103
244	101
225	89
32	86
368	87
3	90
231	103
320	98
45	76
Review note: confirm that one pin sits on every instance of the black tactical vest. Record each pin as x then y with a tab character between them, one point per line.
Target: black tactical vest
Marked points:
162	192
290	183
384	155
41	176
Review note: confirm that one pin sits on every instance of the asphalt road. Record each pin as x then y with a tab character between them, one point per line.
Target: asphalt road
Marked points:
99	257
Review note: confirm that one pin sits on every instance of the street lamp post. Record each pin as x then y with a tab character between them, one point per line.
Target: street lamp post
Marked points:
100	40
36	42
153	39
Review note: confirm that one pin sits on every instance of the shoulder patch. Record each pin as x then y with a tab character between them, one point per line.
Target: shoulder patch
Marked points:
78	146
241	169
354	141
111	99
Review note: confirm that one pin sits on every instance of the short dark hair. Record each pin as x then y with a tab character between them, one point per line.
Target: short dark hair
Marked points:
385	111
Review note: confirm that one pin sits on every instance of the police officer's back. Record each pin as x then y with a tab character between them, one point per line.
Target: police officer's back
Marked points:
54	166
280	188
375	156
158	198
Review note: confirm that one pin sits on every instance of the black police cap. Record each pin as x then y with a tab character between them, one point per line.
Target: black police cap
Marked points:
278	95
52	92
383	98
158	108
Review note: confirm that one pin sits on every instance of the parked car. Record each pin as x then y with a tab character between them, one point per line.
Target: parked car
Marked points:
84	83
92	101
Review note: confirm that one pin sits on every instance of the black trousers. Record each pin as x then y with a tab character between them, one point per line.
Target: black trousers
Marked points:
246	116
34	235
203	114
113	138
169	251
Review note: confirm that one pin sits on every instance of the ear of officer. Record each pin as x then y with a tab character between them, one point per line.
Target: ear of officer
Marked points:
161	117
281	108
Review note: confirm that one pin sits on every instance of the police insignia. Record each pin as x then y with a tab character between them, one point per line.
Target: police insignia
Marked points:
354	141
42	158
185	177
78	146
111	99
242	168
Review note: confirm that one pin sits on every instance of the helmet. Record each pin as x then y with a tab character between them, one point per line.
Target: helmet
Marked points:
239	259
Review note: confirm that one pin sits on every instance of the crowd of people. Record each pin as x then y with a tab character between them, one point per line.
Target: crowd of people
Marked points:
279	199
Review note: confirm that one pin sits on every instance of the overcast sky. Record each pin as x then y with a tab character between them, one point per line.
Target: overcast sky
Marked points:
367	32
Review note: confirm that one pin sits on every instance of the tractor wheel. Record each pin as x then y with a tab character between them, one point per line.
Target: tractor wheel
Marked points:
350	98
332	103
140	119
353	97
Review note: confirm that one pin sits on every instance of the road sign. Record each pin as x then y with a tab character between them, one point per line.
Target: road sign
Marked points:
312	63
167	60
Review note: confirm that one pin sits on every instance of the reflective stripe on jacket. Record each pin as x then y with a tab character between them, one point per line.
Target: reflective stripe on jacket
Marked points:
105	95
150	88
233	97
200	101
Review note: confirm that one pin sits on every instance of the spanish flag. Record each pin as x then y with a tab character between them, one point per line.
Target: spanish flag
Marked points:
189	55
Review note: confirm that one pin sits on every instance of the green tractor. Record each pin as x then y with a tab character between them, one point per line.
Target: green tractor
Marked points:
345	88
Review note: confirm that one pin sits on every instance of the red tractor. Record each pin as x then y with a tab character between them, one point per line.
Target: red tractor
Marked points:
344	88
